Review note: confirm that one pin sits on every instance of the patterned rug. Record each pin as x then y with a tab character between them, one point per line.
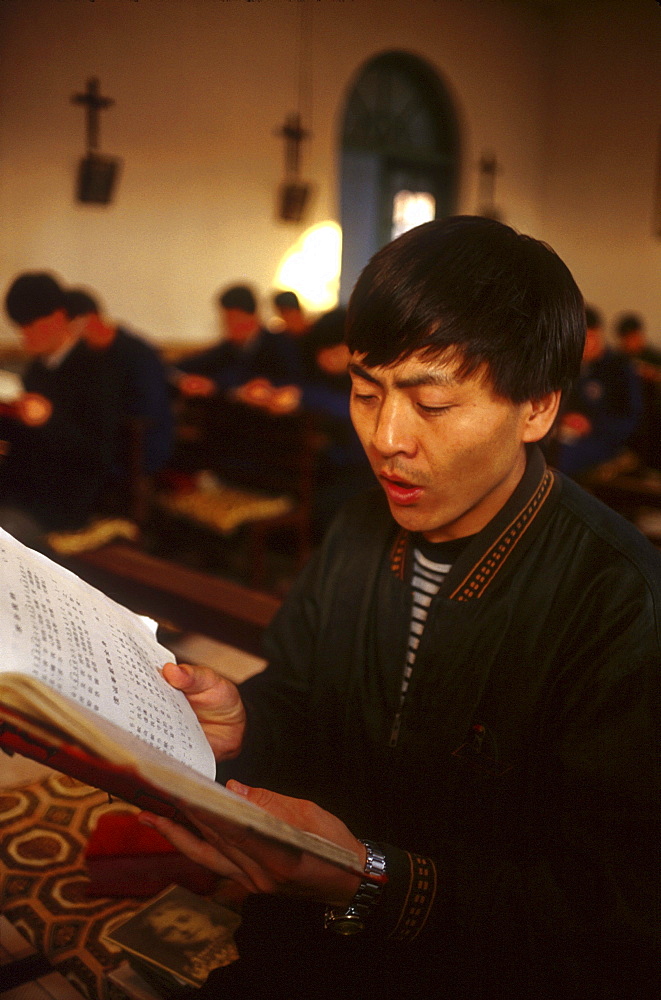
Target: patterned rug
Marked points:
44	828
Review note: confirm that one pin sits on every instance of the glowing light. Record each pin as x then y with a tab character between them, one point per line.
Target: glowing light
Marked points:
311	267
410	209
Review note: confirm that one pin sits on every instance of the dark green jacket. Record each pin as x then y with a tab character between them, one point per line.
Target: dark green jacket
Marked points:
520	805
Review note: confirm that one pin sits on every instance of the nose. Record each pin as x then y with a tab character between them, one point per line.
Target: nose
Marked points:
393	431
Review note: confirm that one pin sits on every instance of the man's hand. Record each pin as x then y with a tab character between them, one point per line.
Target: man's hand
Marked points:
196	385
261	865
33	409
285	399
573	426
256	392
217	704
276	399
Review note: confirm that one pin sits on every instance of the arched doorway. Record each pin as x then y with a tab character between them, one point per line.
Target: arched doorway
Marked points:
399	156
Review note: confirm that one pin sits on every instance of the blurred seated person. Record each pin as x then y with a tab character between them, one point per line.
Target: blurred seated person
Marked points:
248	352
139	375
296	323
632	340
603	407
296	327
60	438
342	466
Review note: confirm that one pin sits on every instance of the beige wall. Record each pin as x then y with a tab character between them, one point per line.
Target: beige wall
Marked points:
568	102
604	157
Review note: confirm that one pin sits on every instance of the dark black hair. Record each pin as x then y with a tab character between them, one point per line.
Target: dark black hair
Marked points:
593	318
286	300
629	323
476	289
33	296
238	297
77	302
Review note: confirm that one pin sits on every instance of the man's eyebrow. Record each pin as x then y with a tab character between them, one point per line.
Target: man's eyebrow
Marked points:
433	377
361	372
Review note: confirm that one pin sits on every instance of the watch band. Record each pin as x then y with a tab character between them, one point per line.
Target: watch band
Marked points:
352	919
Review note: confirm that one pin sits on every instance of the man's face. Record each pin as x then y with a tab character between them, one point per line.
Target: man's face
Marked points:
96	332
447	452
633	342
183	927
47	334
594	344
239	325
333	359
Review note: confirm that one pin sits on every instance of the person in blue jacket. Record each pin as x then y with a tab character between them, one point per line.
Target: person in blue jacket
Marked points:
61	436
603	409
248	356
139	375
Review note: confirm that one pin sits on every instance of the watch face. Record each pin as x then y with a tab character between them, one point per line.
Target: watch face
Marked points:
347	924
344	922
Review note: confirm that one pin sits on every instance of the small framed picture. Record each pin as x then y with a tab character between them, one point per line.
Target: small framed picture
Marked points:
184	934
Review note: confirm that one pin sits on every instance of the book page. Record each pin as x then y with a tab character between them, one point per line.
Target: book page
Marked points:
59	630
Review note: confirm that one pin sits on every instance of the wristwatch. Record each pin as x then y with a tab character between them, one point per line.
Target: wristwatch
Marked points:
352	919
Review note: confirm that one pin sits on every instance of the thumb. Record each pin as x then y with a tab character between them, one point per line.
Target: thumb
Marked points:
190	679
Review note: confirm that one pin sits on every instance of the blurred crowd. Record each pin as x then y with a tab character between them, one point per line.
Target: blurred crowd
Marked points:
96	405
611	420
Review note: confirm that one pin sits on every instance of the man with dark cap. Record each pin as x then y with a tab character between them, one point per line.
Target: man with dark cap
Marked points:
60	439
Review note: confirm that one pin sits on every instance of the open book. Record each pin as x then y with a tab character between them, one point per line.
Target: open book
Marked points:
81	690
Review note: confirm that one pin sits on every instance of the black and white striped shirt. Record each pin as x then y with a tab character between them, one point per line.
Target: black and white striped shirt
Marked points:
431	564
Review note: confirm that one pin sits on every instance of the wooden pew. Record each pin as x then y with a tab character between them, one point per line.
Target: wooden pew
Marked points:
627	492
268	461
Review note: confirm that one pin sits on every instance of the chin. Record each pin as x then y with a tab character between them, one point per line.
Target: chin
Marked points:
412	520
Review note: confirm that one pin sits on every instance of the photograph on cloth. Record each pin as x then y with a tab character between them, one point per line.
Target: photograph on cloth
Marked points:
182	933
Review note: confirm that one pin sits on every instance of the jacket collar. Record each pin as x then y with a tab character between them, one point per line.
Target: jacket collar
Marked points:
507	535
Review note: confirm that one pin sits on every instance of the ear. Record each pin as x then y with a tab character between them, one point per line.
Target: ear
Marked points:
540	416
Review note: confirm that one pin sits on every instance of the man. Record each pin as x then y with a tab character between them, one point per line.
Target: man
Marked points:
630	332
249	361
296	323
603	409
465	677
60	441
341	467
646	359
138	373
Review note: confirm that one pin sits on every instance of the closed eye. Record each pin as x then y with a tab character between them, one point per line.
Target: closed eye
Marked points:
363	392
434	410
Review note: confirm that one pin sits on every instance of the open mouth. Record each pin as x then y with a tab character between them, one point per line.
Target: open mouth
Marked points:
399	491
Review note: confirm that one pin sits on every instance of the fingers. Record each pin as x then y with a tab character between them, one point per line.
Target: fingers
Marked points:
196	385
205	689
225	849
34	409
216	702
190	679
260	864
198	850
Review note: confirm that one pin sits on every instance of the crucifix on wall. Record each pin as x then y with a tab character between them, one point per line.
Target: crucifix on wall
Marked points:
97	174
294	192
488	169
